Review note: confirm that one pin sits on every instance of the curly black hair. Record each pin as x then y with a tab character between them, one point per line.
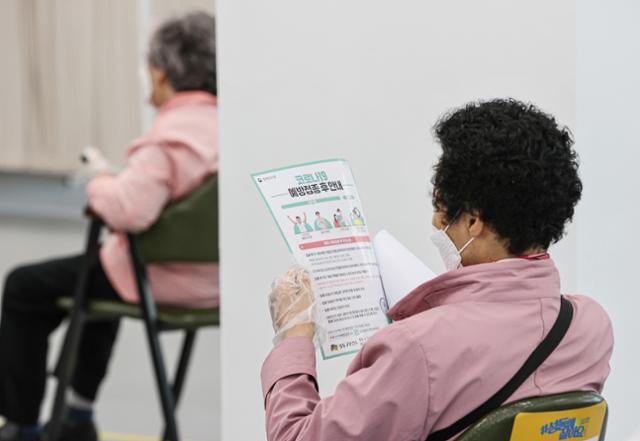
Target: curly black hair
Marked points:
513	165
184	47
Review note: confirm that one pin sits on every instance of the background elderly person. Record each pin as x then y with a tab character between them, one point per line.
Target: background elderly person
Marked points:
504	188
174	158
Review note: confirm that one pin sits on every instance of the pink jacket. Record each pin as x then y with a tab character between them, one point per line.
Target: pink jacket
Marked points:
175	157
457	340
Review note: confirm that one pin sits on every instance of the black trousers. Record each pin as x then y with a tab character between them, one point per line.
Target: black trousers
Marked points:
29	315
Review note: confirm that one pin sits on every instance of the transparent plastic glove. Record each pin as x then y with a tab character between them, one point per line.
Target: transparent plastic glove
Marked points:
293	305
95	162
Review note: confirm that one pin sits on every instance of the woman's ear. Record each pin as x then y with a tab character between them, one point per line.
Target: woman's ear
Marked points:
161	89
475	225
437	220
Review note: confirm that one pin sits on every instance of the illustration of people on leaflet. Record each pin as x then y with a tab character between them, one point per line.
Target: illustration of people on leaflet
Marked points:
321	224
356	218
300	224
339	220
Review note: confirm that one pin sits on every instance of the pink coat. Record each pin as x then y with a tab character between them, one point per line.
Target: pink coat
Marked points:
457	340
175	157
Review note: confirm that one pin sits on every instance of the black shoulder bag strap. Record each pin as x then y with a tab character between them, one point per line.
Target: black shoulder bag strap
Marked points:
541	353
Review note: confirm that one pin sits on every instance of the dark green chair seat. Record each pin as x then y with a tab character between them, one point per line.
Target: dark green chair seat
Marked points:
169	317
498	425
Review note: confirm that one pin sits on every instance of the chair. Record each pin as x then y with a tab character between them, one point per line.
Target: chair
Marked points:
568	416
187	231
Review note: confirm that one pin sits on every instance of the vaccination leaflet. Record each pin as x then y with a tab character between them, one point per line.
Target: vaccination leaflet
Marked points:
318	211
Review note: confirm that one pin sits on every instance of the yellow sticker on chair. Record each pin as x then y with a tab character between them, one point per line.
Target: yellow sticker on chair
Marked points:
582	424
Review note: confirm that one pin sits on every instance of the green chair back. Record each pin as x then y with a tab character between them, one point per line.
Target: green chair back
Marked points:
186	231
570	416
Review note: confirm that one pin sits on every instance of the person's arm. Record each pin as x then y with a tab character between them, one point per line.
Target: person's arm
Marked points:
386	398
133	200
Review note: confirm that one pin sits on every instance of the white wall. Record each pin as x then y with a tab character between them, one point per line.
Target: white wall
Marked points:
607	139
365	80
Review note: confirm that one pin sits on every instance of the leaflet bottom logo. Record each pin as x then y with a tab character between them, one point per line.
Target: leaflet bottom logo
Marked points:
343	346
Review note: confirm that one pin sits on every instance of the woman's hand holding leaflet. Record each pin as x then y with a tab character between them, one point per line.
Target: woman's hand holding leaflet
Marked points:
292	305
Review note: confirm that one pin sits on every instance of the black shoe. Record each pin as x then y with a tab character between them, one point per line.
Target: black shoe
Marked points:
78	431
11	432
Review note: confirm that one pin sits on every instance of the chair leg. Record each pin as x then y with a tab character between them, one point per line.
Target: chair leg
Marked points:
181	372
150	315
183	364
67	362
166	396
64	373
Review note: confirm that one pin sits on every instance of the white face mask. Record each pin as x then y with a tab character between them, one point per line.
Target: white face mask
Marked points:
451	256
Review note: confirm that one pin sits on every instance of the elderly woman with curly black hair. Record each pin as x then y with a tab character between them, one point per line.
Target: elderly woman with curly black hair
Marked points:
174	158
505	186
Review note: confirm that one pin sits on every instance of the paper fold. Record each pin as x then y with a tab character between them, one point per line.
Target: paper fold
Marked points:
401	271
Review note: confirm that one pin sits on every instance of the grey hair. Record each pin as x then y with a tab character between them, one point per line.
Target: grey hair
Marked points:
184	48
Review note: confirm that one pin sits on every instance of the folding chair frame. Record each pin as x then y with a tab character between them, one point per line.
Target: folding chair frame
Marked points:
79	315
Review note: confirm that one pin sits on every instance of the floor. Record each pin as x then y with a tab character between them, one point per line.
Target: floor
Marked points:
127	409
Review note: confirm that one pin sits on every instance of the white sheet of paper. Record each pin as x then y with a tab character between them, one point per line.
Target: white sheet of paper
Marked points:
401	271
